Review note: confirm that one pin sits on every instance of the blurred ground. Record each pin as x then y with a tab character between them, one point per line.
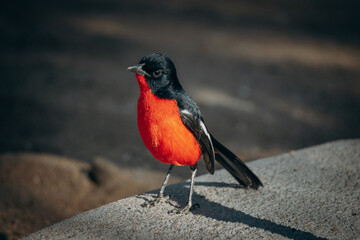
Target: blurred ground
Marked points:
269	76
57	188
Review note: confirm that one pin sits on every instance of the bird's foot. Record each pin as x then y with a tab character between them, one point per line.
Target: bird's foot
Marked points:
152	203
185	210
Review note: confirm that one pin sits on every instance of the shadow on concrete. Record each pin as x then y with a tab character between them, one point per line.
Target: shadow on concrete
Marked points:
218	184
231	214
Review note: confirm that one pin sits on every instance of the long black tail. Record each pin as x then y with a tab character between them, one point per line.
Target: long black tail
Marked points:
235	166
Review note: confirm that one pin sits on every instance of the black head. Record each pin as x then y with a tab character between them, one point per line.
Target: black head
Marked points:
159	72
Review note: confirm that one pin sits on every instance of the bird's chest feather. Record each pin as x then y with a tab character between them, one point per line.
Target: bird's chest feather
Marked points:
158	119
163	131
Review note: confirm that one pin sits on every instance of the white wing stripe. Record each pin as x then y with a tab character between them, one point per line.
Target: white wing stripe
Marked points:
204	129
186	112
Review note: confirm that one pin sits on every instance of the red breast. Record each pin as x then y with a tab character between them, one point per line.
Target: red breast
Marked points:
162	129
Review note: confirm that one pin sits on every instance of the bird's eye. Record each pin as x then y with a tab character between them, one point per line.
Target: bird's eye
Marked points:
157	73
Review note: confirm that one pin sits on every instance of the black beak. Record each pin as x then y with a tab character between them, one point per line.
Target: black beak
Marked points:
138	69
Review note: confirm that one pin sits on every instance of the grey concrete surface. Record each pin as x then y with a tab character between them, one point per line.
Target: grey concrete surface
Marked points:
312	193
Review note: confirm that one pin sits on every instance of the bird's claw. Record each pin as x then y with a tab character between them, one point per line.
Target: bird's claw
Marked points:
152	203
185	210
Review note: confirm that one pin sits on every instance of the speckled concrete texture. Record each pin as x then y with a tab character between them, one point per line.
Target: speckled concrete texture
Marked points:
312	193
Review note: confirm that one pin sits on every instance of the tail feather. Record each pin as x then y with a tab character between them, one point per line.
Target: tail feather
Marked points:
235	166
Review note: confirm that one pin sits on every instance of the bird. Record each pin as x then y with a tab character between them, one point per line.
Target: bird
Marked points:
173	129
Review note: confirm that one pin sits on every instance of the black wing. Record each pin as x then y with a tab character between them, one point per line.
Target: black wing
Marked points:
192	119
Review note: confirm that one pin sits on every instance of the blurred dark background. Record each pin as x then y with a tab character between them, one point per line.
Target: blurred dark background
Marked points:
269	76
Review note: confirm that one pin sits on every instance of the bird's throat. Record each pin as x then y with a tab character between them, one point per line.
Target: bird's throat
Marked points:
143	85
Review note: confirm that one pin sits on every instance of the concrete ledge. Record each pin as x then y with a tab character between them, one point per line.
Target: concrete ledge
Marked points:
312	193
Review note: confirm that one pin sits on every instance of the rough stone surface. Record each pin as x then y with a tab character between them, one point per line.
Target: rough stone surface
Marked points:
312	193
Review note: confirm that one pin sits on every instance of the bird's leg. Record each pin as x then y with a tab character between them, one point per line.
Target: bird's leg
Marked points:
193	173
160	196
189	205
162	189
